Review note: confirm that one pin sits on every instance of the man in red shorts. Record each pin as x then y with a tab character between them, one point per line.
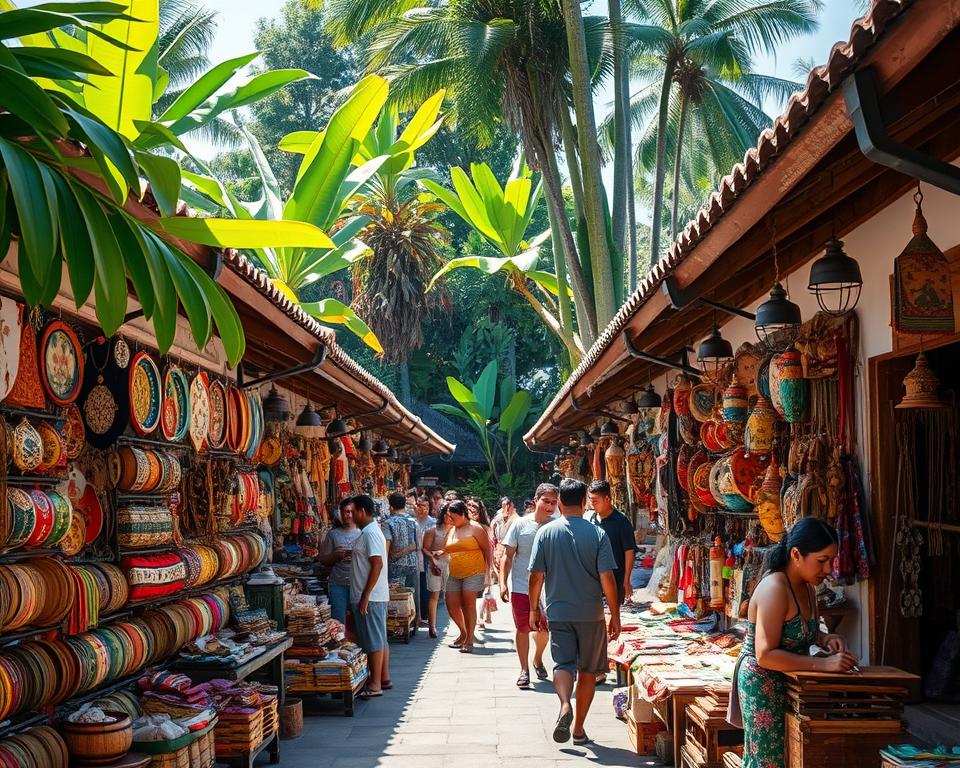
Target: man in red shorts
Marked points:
518	545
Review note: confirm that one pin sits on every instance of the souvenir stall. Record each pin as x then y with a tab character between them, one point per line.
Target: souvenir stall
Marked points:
792	355
140	493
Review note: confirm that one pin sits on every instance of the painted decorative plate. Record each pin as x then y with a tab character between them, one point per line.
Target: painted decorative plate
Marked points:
145	394
9	344
176	398
74	434
217	431
61	363
748	471
199	411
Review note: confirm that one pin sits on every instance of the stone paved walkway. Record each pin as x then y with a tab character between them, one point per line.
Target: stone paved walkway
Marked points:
451	710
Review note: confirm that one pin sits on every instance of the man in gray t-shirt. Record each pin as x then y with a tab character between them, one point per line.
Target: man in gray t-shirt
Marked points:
574	561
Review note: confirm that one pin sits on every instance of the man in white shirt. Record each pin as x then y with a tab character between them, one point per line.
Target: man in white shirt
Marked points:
517	548
370	595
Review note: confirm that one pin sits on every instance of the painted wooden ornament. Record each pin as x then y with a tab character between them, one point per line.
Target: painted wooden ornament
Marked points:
794	388
736	405
768	503
761	427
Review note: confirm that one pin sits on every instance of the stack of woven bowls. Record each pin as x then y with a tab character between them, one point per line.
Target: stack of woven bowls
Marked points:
40	747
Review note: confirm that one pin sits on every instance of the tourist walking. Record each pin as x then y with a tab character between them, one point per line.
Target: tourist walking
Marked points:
498	529
782	625
335	553
573	564
620	532
403	552
515	565
370	595
486	603
469	550
424	523
438	566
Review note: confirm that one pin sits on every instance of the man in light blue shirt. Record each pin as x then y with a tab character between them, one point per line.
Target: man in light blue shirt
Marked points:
573	562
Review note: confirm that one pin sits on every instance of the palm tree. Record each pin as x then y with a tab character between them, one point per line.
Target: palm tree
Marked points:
699	54
187	29
503	61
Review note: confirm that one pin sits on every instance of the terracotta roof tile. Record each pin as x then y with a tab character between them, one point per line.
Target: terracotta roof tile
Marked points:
821	81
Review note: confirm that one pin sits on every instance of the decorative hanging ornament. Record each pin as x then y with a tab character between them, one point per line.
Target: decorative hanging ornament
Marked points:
792	388
736	404
768	503
923	292
121	353
922	387
761	427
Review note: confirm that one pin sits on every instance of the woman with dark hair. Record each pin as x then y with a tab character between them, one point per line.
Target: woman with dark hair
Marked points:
469	550
486	603
437	565
335	552
783	624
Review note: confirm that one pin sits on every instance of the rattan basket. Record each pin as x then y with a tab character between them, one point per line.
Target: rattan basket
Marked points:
238	732
198	752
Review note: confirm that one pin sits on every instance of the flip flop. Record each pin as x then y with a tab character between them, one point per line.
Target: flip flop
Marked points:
455	645
541	671
561	731
524	680
466	649
386	686
366	695
581	740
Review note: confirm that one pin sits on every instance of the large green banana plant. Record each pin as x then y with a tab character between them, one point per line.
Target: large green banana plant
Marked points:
502	215
67	208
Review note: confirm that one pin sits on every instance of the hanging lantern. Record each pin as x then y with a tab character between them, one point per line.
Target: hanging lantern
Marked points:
276	407
835	280
777	321
309	423
595	432
337	428
393	455
649	398
715	353
585	440
922	387
365	444
609	428
923	293
380	447
630	408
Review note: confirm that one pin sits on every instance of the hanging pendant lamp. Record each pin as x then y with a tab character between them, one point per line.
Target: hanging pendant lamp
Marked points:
585	440
922	387
649	398
609	428
365	444
276	407
380	447
715	352
778	321
337	428
835	280
630	407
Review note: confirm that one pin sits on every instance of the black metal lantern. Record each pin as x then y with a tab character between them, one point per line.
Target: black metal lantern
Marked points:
393	455
337	428
649	398
595	432
380	447
778	321
835	280
365	444
609	428
630	407
715	352
276	408
585	440
308	417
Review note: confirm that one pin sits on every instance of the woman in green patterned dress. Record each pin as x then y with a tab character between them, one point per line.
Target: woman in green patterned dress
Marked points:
783	623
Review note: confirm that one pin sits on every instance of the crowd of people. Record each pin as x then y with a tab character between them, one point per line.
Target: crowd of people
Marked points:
554	568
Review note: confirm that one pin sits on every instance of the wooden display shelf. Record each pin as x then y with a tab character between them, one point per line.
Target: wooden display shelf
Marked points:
401	628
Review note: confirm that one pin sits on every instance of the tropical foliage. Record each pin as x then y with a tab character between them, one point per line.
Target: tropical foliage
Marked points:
698	92
502	216
495	413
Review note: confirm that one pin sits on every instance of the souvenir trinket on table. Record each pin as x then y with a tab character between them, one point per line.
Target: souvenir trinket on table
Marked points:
27	391
146	394
10	325
61	363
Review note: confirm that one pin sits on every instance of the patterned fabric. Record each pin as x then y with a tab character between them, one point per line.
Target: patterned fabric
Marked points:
763	694
153	576
401	531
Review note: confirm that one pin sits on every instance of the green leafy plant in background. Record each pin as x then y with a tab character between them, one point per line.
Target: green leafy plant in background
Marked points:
495	413
501	215
66	205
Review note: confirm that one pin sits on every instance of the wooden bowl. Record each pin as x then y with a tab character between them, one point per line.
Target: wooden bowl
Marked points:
99	743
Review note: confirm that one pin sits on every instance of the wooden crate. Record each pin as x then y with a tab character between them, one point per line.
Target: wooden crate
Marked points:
732	760
643	736
710	736
844	744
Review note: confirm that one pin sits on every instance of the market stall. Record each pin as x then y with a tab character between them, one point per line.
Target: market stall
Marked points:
141	492
769	369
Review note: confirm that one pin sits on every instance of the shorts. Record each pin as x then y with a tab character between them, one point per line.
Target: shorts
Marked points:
473	583
372	628
436	583
520	604
579	646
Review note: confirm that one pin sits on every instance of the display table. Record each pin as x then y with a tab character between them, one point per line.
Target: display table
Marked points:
271	662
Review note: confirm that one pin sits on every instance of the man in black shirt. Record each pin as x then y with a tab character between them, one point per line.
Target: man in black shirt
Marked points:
620	532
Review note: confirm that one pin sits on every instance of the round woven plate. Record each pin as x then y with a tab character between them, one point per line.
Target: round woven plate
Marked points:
176	390
61	363
217	432
145	394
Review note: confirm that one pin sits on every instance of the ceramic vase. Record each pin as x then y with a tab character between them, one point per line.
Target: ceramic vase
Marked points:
761	427
735	403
